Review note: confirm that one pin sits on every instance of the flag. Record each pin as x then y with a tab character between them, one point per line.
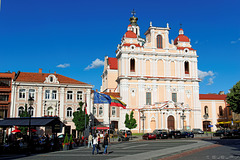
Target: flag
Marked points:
116	102
101	98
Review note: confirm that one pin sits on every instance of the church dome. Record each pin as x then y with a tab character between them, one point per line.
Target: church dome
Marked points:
181	37
130	34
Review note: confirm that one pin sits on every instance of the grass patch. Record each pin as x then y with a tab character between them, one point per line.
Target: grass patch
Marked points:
137	134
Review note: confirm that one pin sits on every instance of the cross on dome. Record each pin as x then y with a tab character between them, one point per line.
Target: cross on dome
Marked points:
133	12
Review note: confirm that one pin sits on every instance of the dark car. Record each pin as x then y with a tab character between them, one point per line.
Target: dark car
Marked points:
174	134
129	133
219	133
149	136
197	131
187	134
160	134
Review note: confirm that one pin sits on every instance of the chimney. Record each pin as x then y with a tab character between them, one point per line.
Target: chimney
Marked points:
40	70
55	72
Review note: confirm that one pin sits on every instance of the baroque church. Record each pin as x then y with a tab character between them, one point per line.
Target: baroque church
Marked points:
158	80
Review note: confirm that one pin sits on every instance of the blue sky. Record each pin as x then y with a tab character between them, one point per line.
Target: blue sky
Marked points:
67	36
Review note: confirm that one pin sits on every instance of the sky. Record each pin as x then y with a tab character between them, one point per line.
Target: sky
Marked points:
72	37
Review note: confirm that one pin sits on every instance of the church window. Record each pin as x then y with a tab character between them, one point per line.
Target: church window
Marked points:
132	65
100	111
159	41
148	98
174	97
186	66
206	110
220	111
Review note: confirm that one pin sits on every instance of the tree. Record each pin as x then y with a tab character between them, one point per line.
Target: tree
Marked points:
233	98
79	119
130	122
25	113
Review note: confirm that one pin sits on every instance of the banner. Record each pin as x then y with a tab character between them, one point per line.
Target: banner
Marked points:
116	102
101	98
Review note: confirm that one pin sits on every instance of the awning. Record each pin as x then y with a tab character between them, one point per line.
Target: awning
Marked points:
34	121
100	127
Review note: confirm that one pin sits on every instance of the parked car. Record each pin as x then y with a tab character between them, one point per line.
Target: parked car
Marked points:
219	133
197	131
160	134
187	134
149	136
174	134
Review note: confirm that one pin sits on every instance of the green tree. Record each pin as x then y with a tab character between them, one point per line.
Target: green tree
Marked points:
25	113
130	122
233	98
79	119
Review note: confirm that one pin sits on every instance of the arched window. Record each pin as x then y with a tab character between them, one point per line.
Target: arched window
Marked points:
186	66
100	111
20	110
94	111
220	111
132	65
113	111
69	112
30	110
50	111
159	41
206	110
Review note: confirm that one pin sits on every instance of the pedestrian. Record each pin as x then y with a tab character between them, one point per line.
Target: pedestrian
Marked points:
98	138
90	138
105	143
95	142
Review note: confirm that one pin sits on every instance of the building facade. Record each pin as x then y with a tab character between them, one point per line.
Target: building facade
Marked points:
53	94
155	78
5	93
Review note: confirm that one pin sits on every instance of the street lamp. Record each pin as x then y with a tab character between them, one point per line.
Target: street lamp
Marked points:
205	116
183	117
143	118
30	102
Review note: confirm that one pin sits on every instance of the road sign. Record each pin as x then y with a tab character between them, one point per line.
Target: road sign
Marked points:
210	125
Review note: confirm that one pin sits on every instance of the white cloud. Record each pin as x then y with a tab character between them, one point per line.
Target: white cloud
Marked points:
202	75
196	42
233	42
95	64
63	65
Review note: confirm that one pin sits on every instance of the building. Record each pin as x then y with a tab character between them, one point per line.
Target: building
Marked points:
53	94
155	78
5	93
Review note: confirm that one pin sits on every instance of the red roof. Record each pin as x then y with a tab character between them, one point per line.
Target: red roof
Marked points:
114	94
212	97
128	44
182	48
113	63
181	38
130	34
41	77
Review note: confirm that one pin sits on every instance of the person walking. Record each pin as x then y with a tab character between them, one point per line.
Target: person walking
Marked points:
95	143
90	138
105	142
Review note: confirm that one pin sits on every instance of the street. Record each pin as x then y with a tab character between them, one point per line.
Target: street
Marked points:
190	149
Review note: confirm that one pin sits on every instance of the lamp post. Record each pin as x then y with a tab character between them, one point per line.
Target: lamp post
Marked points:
205	116
183	117
143	118
30	102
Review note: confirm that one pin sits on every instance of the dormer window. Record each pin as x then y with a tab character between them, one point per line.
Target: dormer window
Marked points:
51	79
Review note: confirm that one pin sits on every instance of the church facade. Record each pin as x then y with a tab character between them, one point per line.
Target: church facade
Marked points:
157	79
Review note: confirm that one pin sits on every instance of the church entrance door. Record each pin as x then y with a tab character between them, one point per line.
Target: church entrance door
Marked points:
171	123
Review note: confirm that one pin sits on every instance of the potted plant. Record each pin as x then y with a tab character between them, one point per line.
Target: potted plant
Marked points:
65	143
